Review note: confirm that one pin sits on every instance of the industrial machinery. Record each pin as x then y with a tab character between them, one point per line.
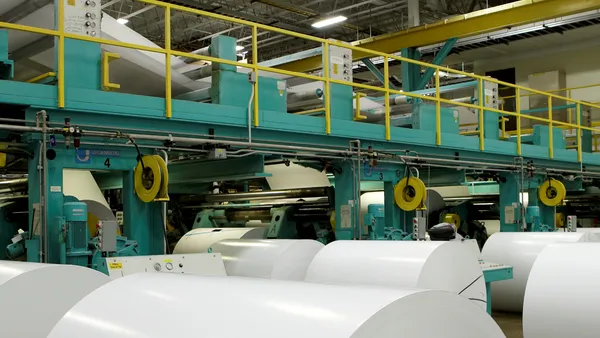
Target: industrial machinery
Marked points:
199	152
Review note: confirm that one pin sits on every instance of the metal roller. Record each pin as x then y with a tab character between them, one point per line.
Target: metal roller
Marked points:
202	51
267	195
305	100
199	73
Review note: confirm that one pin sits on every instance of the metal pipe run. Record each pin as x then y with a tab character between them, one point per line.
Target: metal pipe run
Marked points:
202	51
304	100
265	195
200	73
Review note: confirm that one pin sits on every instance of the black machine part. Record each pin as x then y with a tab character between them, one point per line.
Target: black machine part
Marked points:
442	232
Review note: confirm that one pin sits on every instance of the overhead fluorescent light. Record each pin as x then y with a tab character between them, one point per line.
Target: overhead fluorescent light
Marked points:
329	21
239	48
122	21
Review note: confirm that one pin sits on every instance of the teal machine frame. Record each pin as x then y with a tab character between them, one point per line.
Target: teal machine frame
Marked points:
225	121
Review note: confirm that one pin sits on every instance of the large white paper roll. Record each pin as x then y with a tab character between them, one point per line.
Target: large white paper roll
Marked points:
234	307
519	250
82	185
295	176
284	259
199	240
449	266
561	299
34	296
593	233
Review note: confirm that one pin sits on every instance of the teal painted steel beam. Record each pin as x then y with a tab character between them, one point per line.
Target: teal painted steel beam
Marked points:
439	58
376	71
410	72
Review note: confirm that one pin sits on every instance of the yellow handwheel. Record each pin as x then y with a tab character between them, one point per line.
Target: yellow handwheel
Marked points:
332	220
410	194
151	178
552	192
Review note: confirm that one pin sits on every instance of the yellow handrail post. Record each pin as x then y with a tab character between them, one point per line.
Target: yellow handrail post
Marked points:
168	92
326	89
438	110
386	84
61	54
518	111
255	70
481	131
550	136
357	115
106	59
578	119
570	110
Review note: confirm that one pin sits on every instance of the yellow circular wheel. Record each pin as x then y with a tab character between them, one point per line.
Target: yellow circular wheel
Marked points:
410	194
332	220
164	187
552	193
147	178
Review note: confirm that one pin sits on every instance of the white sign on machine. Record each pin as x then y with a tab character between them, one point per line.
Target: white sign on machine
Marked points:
204	264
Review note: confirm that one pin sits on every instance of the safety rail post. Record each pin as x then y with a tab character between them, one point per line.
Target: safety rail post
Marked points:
550	124
518	111
61	54
326	89
386	84
255	70
480	104
578	119
438	109
168	89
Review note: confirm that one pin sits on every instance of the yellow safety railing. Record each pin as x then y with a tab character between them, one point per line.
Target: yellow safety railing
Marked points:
168	52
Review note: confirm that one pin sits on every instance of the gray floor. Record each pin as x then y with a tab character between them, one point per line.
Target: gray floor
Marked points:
510	323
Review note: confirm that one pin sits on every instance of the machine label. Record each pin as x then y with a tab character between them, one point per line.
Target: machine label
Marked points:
84	156
346	216
509	214
115	266
55	188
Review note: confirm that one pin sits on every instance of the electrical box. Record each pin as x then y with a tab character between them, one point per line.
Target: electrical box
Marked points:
83	17
107	233
572	223
340	63
217	154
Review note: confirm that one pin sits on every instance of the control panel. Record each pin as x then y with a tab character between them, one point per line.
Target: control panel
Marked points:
204	264
83	17
340	63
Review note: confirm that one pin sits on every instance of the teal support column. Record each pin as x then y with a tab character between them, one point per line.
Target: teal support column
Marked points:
437	60
142	221
491	125
33	191
341	103
411	73
345	219
7	66
392	212
82	65
375	71
510	208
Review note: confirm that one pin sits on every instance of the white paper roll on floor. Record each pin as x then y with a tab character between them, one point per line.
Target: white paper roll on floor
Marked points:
561	299
593	233
449	266
284	259
519	250
34	296
199	240
234	307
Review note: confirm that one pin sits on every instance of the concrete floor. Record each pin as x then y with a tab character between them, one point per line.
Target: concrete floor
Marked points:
510	323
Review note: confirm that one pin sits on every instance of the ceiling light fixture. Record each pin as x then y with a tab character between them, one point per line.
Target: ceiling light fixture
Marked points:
239	48
122	21
329	21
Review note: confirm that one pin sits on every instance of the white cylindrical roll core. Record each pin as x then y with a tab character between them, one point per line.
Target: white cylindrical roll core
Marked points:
449	266
267	258
561	299
35	296
519	250
249	307
199	240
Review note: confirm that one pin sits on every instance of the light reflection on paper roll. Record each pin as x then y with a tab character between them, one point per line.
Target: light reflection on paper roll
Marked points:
199	240
228	307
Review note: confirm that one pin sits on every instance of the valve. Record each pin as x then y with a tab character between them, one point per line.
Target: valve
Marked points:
77	138
68	131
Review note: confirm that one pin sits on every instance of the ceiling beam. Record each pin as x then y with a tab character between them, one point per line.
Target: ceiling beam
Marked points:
487	20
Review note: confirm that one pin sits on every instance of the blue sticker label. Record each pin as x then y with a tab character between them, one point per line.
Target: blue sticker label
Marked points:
83	156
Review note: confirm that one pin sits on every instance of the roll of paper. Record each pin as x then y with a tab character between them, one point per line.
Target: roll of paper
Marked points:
200	240
593	233
267	258
561	299
448	266
35	296
519	250
231	307
295	176
82	185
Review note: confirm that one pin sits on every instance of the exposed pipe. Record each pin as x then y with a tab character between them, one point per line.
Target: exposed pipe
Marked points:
45	184
265	195
164	205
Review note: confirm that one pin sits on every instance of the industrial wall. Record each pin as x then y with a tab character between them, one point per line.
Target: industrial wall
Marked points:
581	67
